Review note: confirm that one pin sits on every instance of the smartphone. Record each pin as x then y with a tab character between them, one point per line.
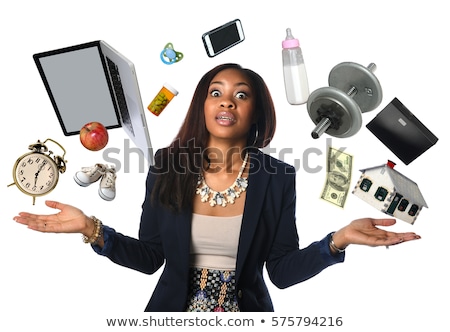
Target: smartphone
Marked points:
222	38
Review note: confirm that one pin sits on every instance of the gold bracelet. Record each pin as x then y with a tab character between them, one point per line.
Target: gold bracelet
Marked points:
334	246
96	234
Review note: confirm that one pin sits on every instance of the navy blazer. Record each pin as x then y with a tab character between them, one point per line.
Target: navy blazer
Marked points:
268	236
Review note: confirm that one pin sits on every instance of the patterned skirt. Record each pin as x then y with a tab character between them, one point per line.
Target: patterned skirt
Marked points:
212	290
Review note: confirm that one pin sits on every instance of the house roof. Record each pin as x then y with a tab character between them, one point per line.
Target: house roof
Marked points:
402	184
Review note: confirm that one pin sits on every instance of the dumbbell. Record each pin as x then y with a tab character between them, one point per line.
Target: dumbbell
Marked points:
337	109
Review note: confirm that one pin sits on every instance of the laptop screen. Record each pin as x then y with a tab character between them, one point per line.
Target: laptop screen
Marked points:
76	82
401	132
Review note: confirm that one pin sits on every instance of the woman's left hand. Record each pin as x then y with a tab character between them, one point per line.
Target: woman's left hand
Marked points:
365	231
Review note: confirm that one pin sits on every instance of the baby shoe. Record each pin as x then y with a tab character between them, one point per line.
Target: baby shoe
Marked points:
89	175
107	189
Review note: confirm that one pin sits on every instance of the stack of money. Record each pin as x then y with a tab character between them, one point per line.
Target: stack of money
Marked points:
339	173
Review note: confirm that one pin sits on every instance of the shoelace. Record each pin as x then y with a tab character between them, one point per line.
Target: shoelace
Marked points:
109	179
92	170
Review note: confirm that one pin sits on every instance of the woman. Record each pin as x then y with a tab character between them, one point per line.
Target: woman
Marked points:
217	209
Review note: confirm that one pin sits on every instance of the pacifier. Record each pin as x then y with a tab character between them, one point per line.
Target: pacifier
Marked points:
169	55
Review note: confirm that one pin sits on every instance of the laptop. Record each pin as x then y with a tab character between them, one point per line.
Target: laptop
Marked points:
94	82
401	132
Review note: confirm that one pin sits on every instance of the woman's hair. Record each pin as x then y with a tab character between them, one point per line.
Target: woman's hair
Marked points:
179	165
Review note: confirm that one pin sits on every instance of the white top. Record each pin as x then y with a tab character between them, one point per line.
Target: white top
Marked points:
214	241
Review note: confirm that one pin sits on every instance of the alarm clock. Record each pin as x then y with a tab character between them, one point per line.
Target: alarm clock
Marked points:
36	173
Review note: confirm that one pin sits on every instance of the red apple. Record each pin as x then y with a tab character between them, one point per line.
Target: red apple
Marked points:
94	136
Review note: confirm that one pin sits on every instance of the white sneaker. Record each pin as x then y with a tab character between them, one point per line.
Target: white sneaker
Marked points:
107	189
89	175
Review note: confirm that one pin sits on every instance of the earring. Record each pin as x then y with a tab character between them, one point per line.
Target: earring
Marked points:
256	135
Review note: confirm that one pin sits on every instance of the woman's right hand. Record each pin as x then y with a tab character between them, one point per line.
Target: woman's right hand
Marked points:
69	219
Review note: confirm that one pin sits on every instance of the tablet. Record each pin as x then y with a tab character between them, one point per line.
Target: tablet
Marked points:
399	130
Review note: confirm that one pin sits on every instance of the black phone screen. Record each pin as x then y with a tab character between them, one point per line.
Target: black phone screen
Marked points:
223	38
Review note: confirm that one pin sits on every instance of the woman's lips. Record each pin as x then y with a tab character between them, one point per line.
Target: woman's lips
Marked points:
225	118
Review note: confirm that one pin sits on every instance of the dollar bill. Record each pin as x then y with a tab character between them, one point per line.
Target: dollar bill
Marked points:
339	173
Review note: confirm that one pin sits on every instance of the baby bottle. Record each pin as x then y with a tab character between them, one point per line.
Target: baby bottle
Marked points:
294	71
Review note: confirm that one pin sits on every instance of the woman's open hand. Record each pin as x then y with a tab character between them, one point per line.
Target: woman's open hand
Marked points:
365	231
69	219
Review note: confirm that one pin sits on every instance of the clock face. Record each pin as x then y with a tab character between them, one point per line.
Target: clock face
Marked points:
36	174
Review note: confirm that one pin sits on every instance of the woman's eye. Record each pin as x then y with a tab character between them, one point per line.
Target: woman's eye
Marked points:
241	95
215	93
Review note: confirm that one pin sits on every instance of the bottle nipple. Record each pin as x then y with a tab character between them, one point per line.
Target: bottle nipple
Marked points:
289	34
290	41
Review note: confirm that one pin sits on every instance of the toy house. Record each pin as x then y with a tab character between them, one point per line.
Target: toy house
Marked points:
390	192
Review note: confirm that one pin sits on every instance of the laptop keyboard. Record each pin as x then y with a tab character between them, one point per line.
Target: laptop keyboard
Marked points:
120	95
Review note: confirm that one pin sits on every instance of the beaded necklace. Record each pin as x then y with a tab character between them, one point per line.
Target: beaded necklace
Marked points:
226	196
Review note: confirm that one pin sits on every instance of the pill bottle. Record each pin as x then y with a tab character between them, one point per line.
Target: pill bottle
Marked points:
294	71
162	99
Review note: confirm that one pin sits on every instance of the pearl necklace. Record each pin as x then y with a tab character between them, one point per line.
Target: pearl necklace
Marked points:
226	196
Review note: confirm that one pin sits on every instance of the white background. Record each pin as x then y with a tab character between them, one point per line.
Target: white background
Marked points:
55	282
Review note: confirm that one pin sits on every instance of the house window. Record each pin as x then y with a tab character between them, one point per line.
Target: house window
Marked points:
365	185
403	205
381	194
413	210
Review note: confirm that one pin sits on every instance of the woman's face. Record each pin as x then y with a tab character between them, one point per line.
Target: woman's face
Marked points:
229	106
